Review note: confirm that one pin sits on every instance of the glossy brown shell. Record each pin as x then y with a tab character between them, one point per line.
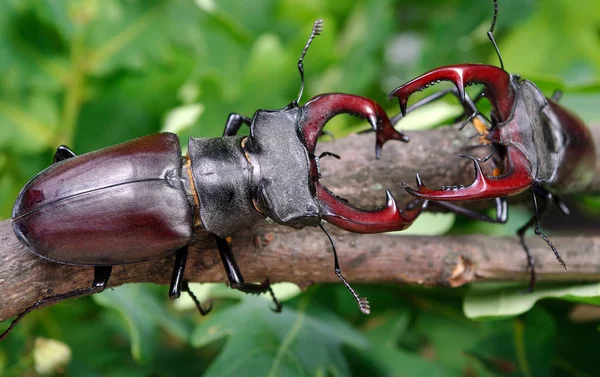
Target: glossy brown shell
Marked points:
117	205
578	166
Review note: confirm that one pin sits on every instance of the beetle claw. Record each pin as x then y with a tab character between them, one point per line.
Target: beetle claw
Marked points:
350	218
516	180
496	81
319	110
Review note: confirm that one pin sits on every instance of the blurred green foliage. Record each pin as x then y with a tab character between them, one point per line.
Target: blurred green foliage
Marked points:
92	73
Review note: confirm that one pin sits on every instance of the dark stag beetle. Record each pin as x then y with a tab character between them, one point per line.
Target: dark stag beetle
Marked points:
536	143
147	199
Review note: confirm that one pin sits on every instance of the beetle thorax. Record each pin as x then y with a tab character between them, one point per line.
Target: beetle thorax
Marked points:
240	180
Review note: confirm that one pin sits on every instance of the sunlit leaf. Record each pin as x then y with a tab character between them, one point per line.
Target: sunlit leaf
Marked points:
429	224
539	45
501	300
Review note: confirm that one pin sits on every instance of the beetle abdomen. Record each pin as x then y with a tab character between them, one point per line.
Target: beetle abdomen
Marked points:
113	206
578	154
222	178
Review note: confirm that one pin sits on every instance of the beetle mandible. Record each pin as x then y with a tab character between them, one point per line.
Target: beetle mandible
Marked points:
536	143
147	199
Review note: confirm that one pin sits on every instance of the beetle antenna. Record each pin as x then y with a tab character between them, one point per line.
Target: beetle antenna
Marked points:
490	33
316	30
363	303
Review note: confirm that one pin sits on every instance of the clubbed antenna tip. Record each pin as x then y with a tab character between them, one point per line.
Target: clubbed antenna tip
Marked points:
316	30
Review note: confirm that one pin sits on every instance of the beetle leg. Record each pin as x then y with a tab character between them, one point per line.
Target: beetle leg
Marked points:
178	284
327	133
318	159
178	271
186	288
534	221
561	205
234	123
501	211
496	80
63	153
236	280
468	104
516	180
320	109
557	95
530	259
101	276
343	215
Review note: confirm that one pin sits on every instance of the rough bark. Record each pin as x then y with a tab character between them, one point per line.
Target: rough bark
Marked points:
304	256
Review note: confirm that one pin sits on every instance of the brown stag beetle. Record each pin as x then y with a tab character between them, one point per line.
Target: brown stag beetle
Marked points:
147	199
535	143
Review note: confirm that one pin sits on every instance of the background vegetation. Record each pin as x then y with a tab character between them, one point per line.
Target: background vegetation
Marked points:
91	73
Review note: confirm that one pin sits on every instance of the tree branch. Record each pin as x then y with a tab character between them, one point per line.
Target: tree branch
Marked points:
304	256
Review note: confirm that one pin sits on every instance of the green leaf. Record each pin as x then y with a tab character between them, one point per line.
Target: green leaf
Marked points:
591	203
358	44
540	44
297	342
490	300
182	117
268	62
585	105
26	127
387	353
142	32
520	347
143	313
446	335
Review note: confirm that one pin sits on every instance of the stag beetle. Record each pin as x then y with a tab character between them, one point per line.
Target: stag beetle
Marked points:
536	143
147	199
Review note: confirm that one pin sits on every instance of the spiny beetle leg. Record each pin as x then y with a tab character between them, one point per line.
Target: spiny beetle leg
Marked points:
516	180
234	123
236	280
178	271
534	222
341	214
322	108
496	80
501	211
469	105
101	276
186	288
178	283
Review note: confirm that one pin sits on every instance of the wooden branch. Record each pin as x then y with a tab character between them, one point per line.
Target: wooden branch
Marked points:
304	256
